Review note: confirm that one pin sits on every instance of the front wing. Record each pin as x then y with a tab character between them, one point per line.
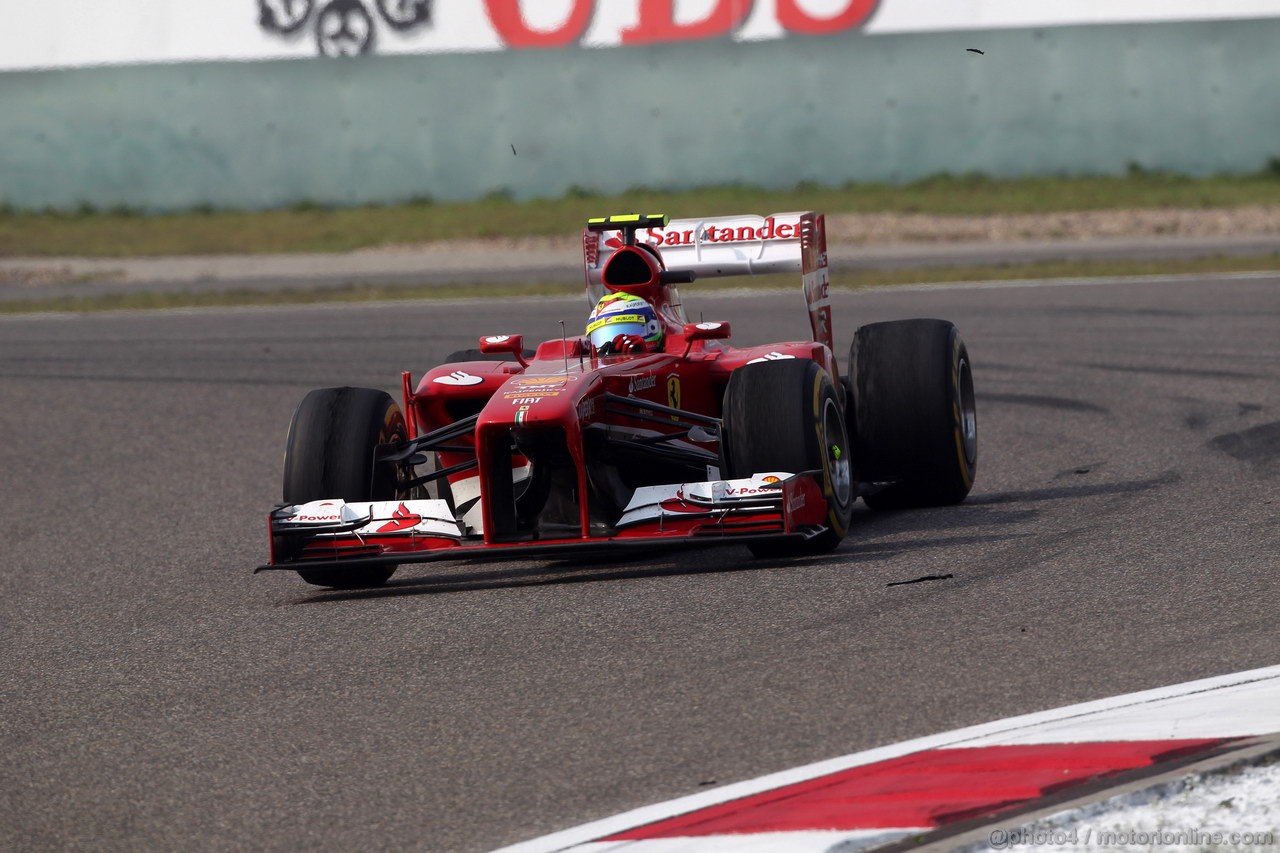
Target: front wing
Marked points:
336	534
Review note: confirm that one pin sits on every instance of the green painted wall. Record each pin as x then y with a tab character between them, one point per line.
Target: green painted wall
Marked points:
1188	97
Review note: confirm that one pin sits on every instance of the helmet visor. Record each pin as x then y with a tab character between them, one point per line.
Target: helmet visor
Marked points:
605	329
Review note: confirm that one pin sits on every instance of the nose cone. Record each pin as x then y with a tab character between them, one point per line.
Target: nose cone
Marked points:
531	398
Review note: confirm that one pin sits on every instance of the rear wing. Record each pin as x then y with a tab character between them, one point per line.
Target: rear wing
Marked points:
728	245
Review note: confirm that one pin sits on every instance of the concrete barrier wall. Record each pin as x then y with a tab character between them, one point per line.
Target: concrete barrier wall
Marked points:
1195	97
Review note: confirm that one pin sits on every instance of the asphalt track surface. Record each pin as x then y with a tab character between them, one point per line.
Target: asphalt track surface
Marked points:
1122	535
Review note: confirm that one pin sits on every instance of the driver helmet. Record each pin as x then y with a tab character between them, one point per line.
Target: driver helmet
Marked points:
624	314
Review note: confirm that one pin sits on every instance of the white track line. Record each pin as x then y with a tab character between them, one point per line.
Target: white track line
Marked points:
849	841
1172	278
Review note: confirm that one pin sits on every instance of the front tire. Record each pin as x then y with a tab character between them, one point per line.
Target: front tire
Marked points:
786	416
915	420
329	454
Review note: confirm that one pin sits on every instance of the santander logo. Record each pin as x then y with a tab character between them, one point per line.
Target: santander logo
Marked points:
459	378
773	356
677	504
401	519
770	230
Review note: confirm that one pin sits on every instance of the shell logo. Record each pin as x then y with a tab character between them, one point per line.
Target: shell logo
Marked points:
527	381
771	479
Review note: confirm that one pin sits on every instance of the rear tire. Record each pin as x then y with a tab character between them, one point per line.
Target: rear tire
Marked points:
329	454
786	416
915	421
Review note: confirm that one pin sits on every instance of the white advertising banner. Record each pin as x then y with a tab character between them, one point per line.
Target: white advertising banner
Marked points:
76	33
902	16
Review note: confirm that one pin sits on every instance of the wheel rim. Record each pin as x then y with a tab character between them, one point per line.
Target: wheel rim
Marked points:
837	458
968	411
394	431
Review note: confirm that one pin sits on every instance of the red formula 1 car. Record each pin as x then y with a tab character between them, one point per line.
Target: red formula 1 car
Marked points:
662	434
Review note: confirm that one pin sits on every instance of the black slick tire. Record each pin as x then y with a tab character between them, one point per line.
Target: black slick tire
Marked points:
913	413
329	454
786	415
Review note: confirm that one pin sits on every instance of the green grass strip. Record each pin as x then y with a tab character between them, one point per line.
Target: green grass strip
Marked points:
310	228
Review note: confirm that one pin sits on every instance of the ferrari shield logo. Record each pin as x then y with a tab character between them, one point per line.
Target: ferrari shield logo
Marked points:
673	392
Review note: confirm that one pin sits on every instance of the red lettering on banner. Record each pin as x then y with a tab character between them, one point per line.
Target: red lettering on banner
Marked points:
770	230
509	21
797	20
658	22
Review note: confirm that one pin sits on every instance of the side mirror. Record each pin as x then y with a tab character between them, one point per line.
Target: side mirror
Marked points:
706	331
513	344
